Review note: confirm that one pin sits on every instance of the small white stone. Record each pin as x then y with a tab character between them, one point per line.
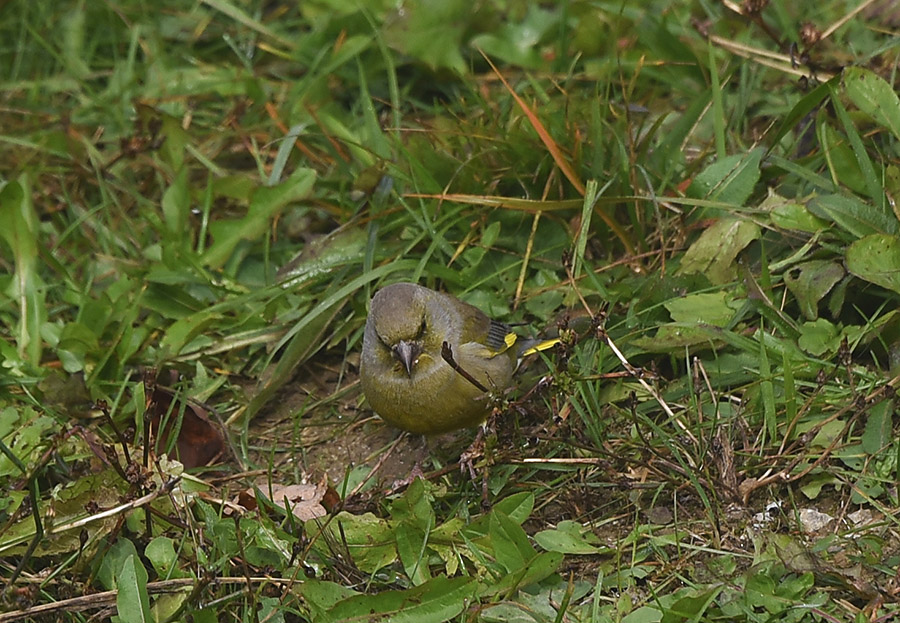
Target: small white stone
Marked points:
812	520
861	517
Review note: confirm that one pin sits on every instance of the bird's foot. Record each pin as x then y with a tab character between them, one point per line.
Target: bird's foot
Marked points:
402	483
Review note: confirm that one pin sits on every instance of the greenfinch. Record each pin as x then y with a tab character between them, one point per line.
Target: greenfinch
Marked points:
404	369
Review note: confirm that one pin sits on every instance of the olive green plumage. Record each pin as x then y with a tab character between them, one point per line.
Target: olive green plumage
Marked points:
405	378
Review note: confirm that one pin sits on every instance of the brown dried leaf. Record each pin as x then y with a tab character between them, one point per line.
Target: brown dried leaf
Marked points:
199	441
304	501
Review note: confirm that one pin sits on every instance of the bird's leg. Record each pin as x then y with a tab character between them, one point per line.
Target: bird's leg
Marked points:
471	454
415	472
479	456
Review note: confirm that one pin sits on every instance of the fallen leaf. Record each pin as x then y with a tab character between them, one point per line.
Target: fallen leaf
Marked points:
199	442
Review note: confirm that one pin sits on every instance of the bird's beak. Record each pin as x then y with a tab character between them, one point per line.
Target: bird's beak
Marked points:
407	353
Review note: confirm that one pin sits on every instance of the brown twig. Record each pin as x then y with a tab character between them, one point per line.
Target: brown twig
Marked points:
447	354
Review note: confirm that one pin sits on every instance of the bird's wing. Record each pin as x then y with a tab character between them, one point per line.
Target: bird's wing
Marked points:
500	337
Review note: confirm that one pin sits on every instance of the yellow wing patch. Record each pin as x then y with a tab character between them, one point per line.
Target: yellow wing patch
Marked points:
544	345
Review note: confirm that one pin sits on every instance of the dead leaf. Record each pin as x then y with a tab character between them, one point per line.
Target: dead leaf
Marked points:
199	441
305	501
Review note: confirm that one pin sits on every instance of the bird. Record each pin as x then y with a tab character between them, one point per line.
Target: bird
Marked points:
411	333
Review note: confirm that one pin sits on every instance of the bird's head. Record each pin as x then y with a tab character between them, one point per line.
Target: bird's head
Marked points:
400	313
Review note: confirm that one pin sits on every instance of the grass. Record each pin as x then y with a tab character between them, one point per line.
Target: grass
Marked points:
198	200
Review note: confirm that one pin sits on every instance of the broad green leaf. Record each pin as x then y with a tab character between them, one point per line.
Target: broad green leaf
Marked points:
19	228
161	554
76	342
842	161
878	433
873	95
819	337
876	258
176	205
705	307
113	560
510	543
172	150
411	541
569	537
715	251
791	214
171	301
538	569
431	32
436	601
692	607
729	180
414	506
321	595
267	201
810	281
132	600
164	606
185	329
413	520
644	614
813	484
368	539
517	43
517	507
871	178
856	217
